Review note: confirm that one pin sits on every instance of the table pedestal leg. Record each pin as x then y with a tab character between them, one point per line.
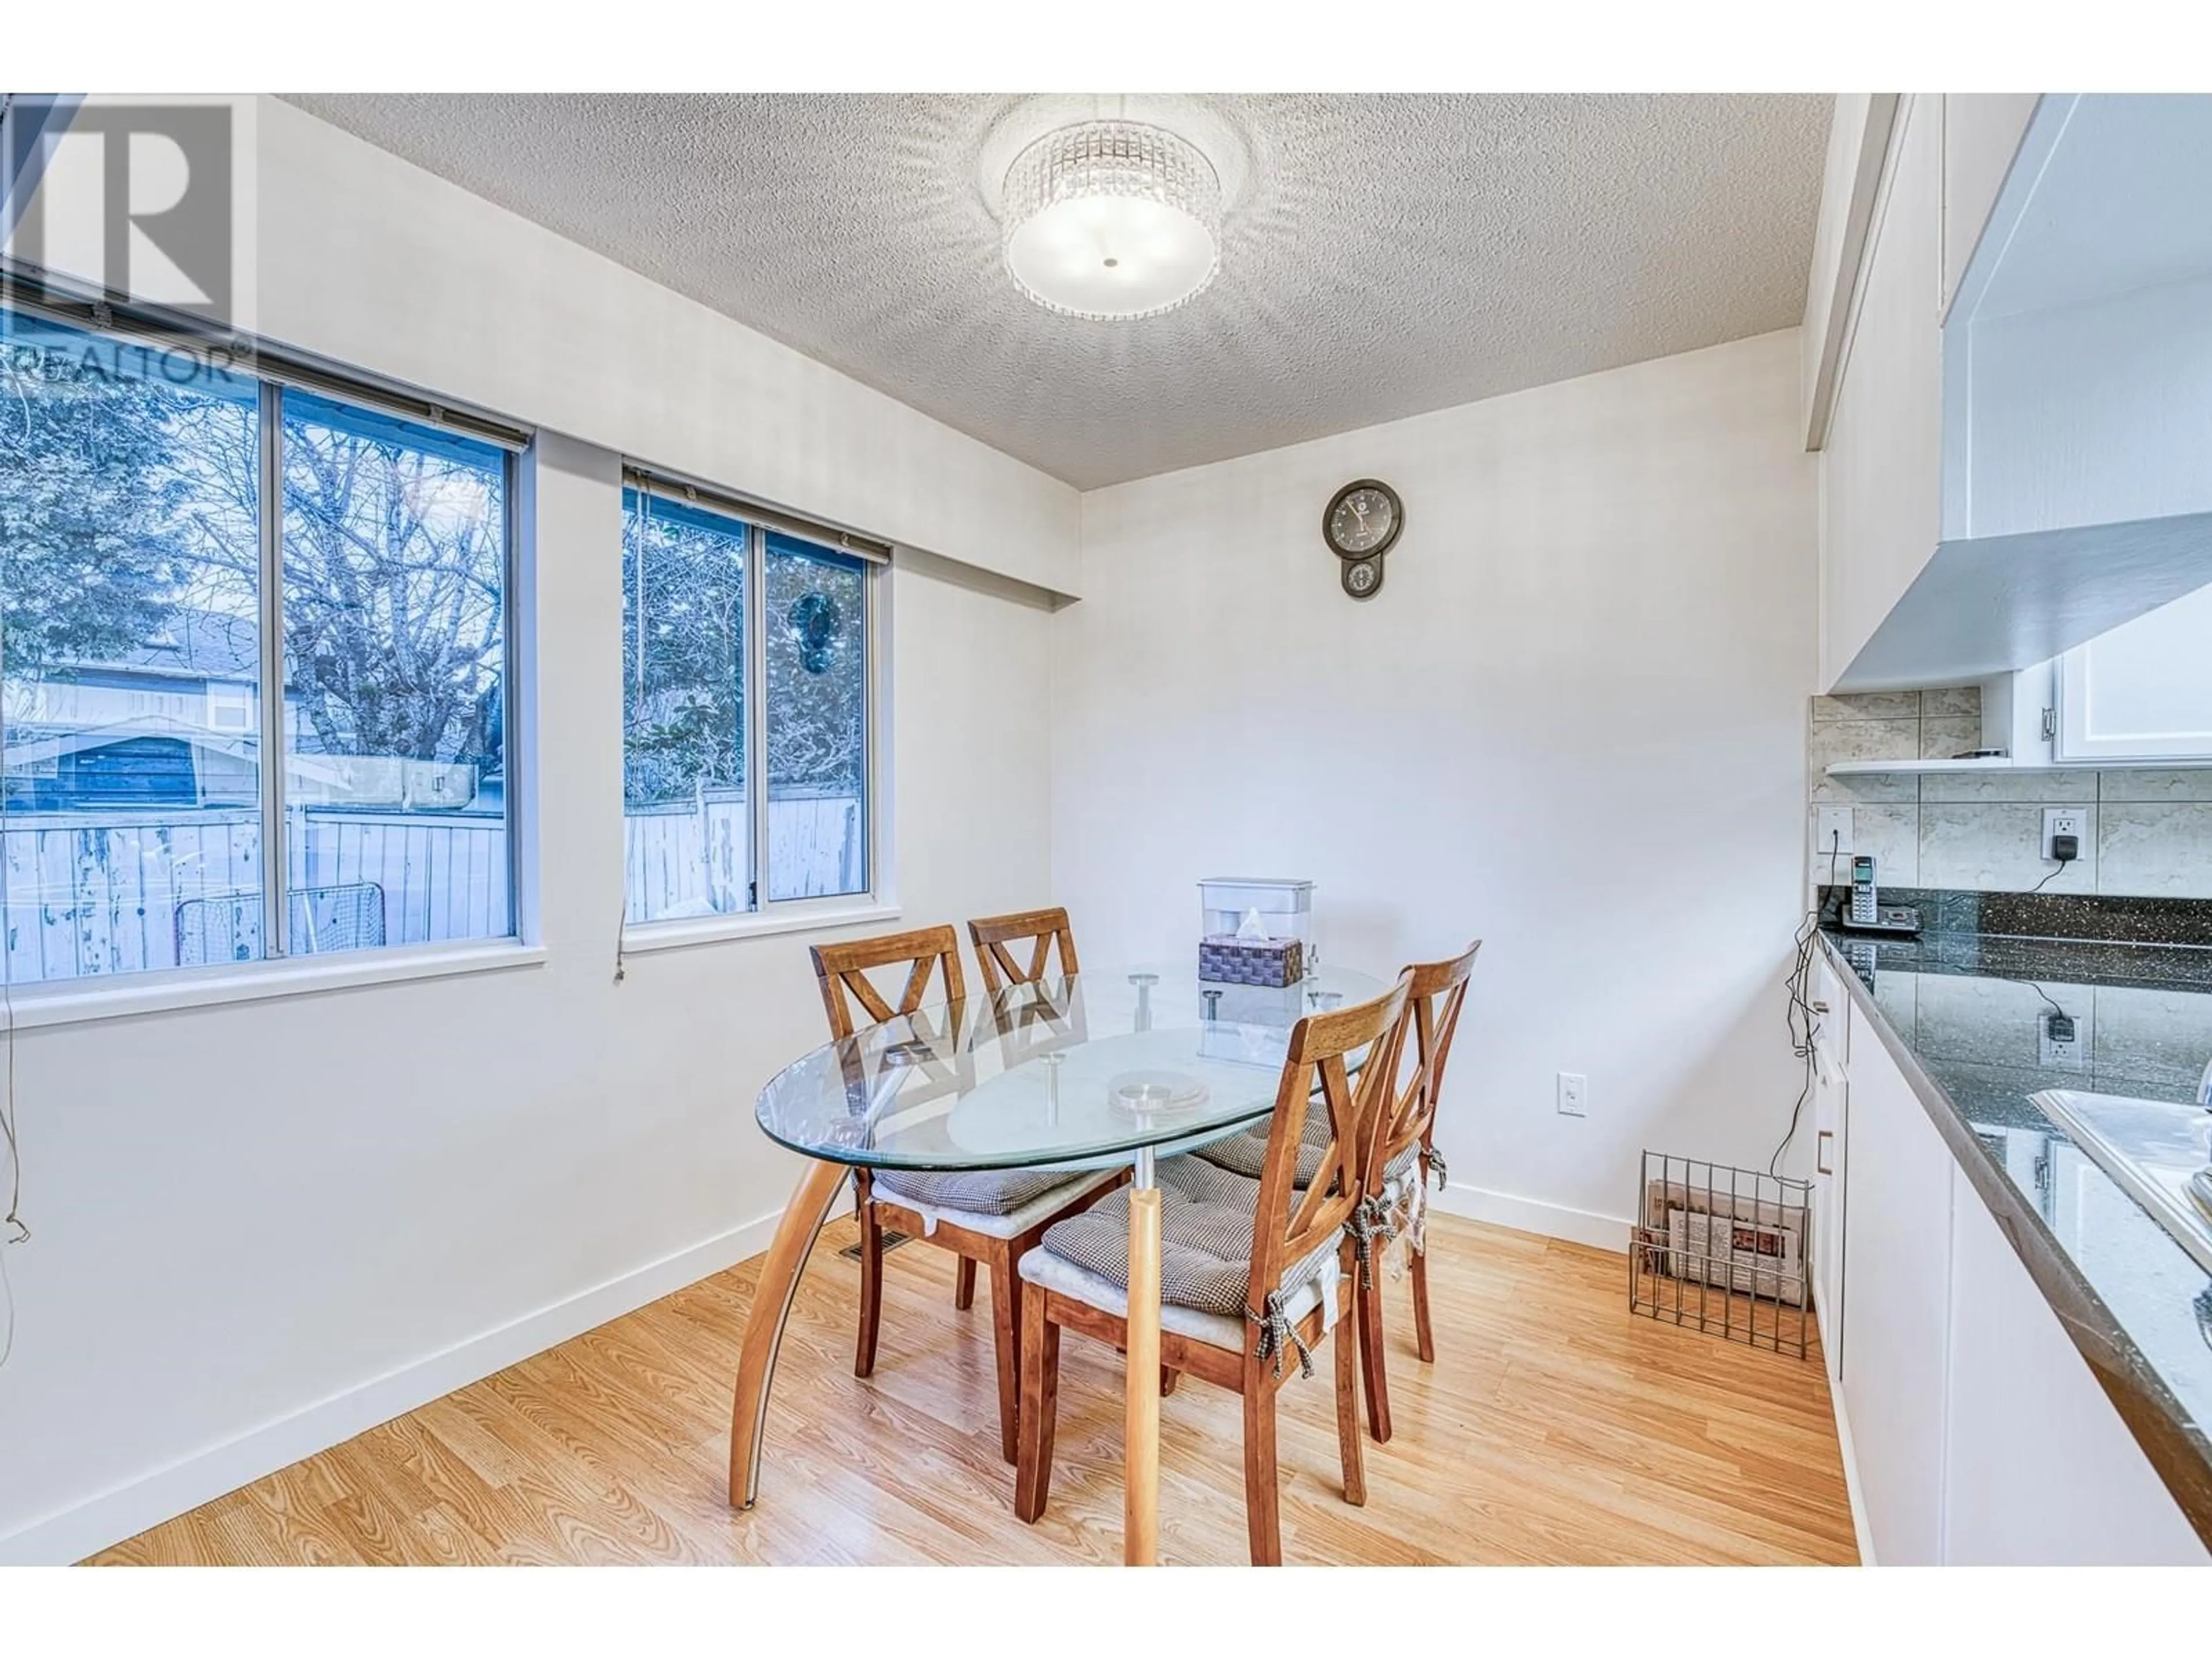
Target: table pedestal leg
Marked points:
779	1280
1140	1500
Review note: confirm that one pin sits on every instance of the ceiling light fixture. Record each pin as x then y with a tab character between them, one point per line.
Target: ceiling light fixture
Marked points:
1111	220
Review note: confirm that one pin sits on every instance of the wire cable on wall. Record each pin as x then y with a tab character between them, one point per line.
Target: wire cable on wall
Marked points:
1803	1019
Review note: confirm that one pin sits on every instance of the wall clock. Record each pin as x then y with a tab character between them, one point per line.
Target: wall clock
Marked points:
1360	525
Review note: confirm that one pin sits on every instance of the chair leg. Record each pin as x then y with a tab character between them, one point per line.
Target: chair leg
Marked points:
1169	1374
1006	1299
1367	1303
1040	1407
872	1289
964	1284
1262	1515
1347	1420
1423	1337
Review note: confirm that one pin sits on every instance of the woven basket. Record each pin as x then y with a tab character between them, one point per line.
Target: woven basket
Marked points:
1228	960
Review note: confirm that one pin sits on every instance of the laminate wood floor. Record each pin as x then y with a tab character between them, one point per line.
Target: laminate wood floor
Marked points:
1555	1426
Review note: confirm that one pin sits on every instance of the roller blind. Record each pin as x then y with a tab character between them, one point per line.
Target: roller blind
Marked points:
35	295
752	511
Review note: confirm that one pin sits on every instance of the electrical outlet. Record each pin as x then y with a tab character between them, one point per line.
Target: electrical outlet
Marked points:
1831	833
2059	1044
1574	1095
2065	821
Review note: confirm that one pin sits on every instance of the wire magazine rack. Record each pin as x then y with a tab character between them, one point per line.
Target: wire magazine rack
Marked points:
1725	1250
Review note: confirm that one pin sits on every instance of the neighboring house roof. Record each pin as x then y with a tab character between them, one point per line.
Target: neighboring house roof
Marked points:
192	644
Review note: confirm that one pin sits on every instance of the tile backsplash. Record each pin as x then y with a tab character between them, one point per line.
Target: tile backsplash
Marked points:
2149	831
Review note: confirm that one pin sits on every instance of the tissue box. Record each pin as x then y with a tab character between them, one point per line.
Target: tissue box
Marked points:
1224	959
1283	908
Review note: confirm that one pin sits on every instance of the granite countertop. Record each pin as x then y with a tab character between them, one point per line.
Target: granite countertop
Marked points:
1963	1014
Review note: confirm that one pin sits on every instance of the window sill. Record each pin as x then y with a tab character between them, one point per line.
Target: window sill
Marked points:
152	994
712	930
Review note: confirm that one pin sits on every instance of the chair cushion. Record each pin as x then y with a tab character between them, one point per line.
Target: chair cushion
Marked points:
1049	1272
1206	1239
1245	1152
978	1192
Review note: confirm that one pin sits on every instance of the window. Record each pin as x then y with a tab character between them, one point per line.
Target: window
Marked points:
395	617
688	836
158	807
817	721
2142	692
747	729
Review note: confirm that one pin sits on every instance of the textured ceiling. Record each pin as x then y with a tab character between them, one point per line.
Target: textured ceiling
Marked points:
1381	256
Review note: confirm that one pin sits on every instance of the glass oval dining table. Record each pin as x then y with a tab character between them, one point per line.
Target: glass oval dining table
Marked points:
1086	1072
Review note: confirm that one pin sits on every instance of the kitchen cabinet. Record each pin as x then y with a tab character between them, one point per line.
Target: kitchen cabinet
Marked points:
2005	376
1897	1249
1884	478
1831	1146
1977	1432
1881	508
2038	1468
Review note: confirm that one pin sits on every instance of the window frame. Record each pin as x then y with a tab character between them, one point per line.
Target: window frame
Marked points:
277	868
277	972
876	901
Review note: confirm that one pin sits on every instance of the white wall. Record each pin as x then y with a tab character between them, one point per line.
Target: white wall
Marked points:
1571	724
264	1226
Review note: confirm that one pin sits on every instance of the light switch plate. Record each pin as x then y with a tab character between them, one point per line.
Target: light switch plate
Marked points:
1831	833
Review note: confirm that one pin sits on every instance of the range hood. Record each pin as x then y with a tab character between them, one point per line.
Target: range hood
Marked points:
1986	605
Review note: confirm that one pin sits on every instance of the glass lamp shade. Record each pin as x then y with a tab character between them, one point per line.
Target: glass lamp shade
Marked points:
1111	220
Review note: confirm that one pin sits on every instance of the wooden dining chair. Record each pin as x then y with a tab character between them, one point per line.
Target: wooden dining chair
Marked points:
1399	1155
1044	930
989	1216
992	936
1051	939
1253	1274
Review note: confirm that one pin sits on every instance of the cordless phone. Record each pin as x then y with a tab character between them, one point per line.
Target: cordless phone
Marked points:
1867	914
1863	908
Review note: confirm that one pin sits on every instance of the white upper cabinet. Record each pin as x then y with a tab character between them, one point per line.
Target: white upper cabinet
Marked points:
1881	480
2015	451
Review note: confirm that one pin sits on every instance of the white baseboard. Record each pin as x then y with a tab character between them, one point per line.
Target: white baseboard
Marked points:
1534	1215
124	1511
